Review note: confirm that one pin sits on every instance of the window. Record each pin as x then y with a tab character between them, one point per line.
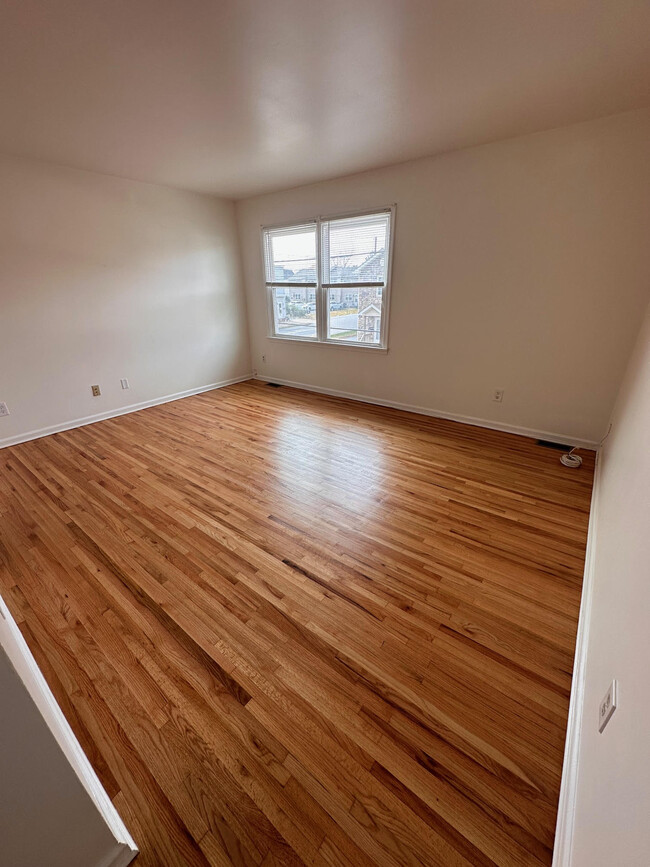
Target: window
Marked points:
327	281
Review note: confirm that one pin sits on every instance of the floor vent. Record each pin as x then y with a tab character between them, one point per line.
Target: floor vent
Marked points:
274	384
561	447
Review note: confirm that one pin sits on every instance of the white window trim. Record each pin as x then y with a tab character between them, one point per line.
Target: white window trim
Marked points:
321	292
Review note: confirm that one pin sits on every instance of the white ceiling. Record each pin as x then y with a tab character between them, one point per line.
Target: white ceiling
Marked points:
237	97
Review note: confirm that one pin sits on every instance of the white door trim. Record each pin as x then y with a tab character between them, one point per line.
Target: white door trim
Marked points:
563	848
20	656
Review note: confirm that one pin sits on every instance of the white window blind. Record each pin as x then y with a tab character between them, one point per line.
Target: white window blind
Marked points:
328	281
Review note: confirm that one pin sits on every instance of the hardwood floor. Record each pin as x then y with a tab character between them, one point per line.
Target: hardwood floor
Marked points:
291	629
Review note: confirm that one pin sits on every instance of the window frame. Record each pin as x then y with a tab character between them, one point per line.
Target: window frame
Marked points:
322	292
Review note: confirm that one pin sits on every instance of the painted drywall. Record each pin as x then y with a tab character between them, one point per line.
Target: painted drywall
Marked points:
46	815
103	278
521	265
237	97
613	791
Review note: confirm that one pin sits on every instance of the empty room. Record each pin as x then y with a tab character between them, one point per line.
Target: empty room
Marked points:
324	433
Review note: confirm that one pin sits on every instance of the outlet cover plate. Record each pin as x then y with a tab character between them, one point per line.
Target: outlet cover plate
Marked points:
608	705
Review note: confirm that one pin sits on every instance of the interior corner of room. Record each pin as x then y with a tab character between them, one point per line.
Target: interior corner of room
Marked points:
291	569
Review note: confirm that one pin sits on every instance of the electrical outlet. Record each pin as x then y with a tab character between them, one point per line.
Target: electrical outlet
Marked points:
124	383
608	705
4	409
498	395
264	359
95	390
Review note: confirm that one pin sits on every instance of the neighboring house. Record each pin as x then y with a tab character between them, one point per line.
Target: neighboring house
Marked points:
280	301
301	296
282	274
370	297
369	323
374	268
343	297
366	299
283	296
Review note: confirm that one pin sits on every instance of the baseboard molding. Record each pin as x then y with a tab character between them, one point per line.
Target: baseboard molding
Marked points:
562	851
114	413
435	413
121	856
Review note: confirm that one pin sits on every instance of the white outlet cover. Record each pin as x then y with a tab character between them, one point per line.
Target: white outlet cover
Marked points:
4	409
124	383
608	705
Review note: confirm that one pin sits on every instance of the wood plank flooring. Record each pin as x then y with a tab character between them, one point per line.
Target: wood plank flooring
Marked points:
292	629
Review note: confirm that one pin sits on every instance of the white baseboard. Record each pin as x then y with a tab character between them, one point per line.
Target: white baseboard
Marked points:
563	848
121	856
435	413
113	413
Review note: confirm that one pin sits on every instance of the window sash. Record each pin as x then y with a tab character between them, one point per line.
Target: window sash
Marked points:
281	314
323	288
350	285
275	285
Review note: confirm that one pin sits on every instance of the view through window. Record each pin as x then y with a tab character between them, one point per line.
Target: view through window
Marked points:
328	280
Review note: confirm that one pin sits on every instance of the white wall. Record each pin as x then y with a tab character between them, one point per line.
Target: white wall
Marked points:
46	815
520	265
53	808
612	823
103	278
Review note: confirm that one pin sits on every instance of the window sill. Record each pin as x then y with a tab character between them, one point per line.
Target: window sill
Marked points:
311	342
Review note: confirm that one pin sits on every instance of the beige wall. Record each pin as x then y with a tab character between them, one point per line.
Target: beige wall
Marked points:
103	278
520	265
613	796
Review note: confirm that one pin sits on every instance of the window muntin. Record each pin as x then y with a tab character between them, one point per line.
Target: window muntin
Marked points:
328	280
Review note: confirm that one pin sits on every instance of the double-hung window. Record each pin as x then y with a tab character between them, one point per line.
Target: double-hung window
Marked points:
328	280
